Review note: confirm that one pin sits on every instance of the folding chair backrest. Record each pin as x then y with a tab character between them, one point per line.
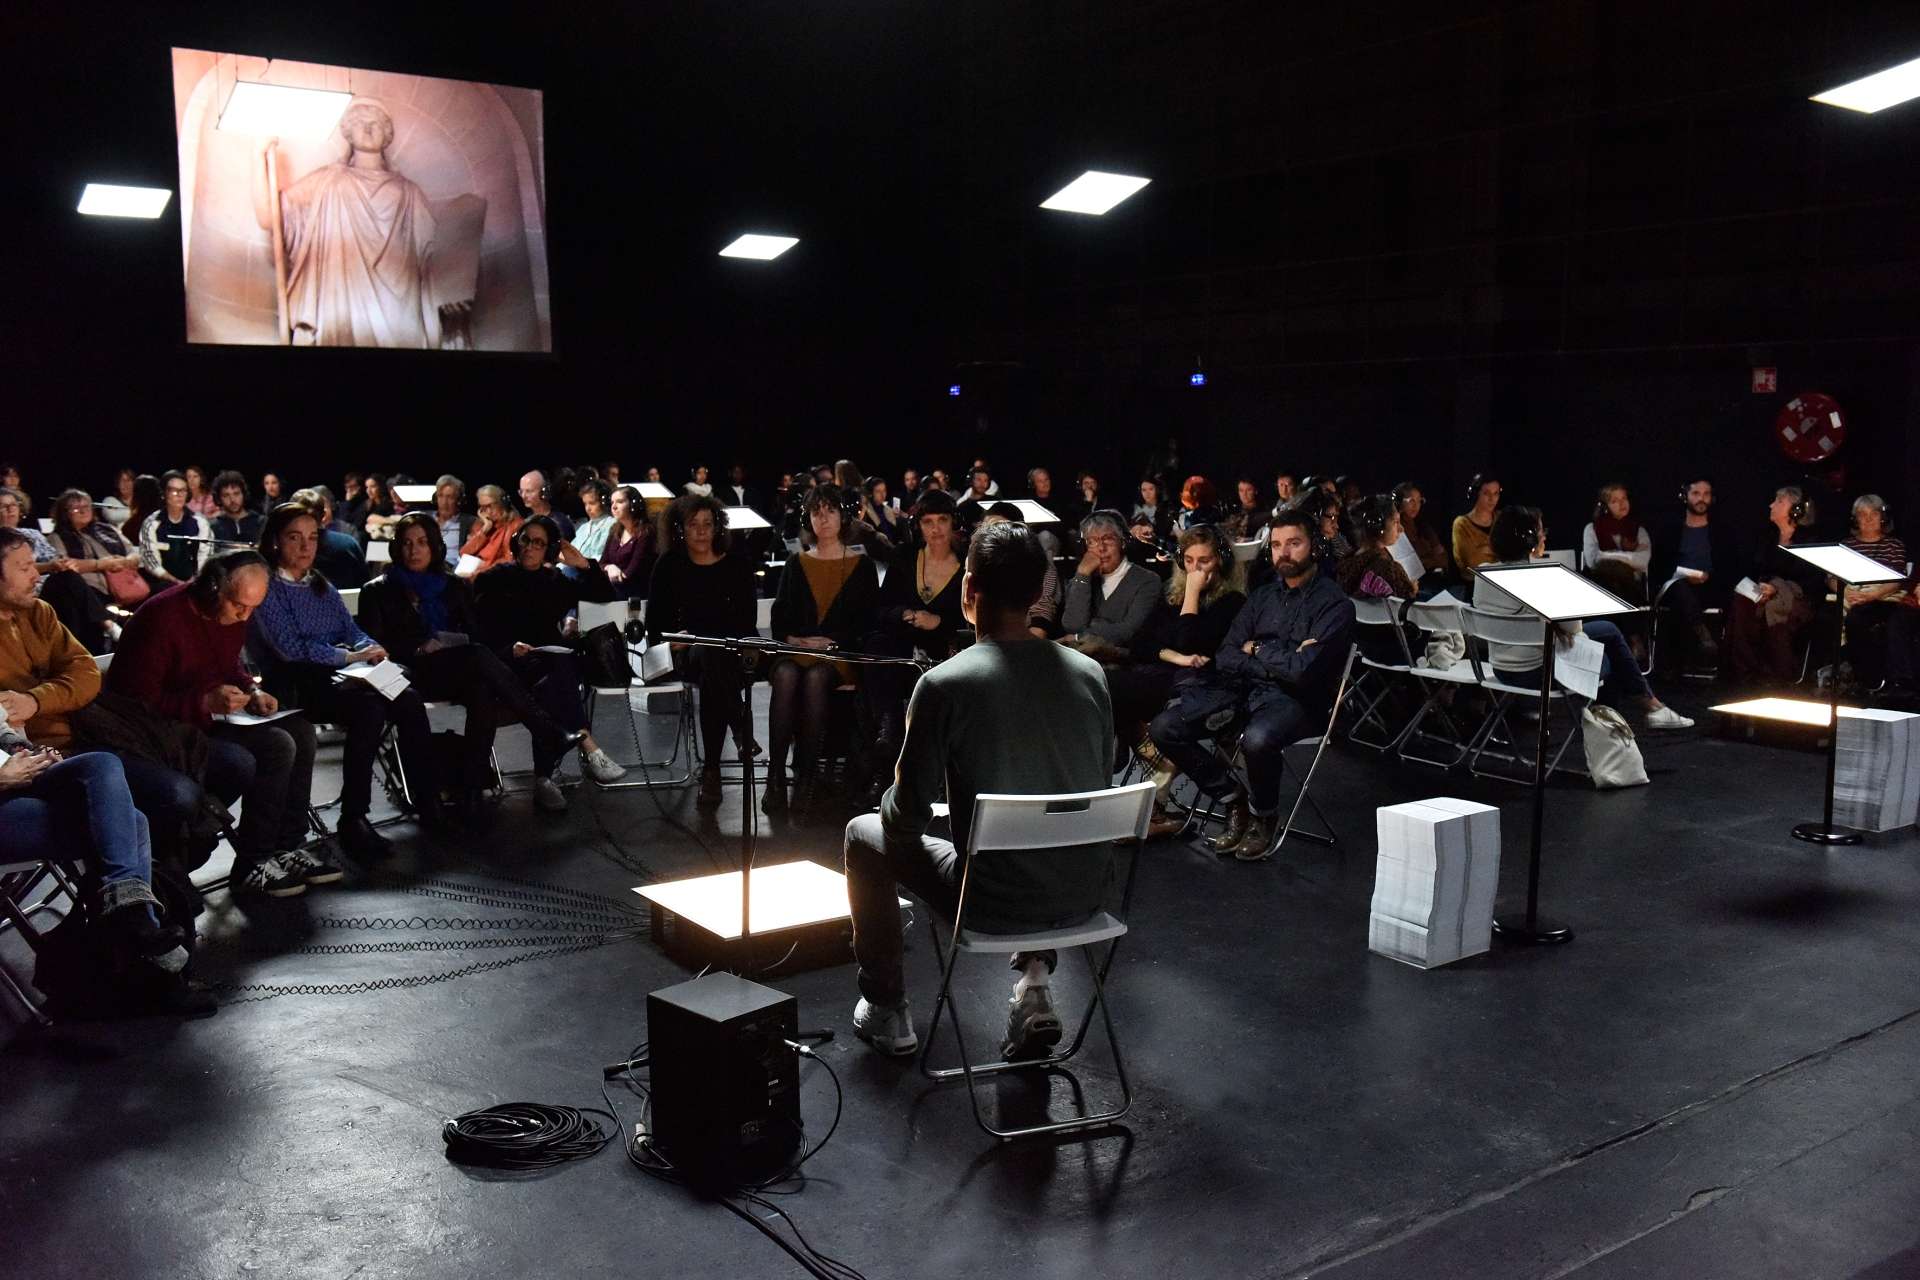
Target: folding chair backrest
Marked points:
103	661
1515	631
1428	616
350	596
1373	611
1060	821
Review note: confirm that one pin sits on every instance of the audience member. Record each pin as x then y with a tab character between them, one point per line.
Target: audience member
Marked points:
1520	535
452	522
825	601
200	499
1249	514
234	519
737	493
628	560
1275	674
175	540
272	491
1878	622
1473	532
1369	570
1286	487
1154	506
1615	549
526	610
94	567
1763	627
536	496
968	732
381	510
1108	599
117	507
590	533
340	559
491	541
353	500
303	636
699	485
1411	503
181	656
1700	563
700	588
919	608
147	499
13	515
1199	504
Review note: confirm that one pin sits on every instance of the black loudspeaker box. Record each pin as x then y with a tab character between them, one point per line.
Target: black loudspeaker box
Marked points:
726	1088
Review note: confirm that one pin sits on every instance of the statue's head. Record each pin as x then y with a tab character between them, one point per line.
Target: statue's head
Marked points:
366	126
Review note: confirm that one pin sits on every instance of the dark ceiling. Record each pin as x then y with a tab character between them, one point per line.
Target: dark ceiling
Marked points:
1457	224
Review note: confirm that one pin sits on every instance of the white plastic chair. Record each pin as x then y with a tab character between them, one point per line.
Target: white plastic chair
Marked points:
1033	823
1430	617
1369	692
1513	632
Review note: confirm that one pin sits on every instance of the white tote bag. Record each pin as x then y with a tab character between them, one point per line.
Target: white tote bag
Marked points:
1613	757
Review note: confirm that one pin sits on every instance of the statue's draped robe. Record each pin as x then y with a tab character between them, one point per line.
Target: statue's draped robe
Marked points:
359	258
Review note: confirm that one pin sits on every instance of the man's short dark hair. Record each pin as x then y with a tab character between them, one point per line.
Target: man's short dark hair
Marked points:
1008	565
1295	515
11	538
227	478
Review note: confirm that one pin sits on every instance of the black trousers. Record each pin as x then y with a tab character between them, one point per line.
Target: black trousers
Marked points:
722	682
363	714
474	677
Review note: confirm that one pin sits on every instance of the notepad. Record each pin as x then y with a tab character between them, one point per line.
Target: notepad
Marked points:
248	717
385	676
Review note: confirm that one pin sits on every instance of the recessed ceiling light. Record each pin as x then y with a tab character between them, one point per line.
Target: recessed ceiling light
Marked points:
282	111
1878	91
105	200
765	248
1094	192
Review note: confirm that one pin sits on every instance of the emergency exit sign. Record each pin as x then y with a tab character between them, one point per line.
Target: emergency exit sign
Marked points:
1766	380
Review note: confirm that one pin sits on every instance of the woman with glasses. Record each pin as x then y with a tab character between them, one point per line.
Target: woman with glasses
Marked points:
491	541
175	540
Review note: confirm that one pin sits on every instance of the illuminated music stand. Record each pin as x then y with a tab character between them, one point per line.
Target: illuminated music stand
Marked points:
1032	512
1554	594
1853	570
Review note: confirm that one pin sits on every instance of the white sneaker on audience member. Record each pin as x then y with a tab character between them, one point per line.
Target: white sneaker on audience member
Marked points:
548	795
601	767
1667	718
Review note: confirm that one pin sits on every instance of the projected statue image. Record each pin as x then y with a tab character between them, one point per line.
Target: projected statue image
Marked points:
361	257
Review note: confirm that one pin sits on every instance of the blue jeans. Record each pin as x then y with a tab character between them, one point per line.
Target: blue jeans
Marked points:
81	808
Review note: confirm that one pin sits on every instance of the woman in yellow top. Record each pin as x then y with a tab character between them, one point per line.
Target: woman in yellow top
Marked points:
825	601
1473	532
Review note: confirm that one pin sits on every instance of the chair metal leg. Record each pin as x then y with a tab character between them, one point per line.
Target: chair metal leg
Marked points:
1431	706
969	1070
683	736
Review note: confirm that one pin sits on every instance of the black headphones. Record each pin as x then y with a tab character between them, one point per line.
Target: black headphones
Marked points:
209	586
1372	515
518	542
1688	484
1481	479
1799	510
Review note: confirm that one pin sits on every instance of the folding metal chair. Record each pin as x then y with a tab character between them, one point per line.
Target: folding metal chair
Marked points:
1032	823
18	880
1437	682
1514	632
1369	692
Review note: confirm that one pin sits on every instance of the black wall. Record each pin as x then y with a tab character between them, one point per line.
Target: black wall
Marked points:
1404	240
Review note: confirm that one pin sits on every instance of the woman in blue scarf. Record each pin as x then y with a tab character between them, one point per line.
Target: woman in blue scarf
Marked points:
424	617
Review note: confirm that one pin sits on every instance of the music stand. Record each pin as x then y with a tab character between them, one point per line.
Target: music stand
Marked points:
745	520
1554	594
1032	512
1852	569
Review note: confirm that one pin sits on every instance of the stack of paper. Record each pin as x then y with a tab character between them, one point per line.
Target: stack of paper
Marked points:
1876	784
383	675
1434	882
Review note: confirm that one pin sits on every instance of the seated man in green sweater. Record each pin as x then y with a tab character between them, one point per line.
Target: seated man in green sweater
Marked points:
1012	714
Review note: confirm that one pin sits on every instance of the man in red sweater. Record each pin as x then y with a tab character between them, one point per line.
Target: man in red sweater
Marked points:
180	654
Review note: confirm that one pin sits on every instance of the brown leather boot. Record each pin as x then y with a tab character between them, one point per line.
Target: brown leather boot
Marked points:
1238	818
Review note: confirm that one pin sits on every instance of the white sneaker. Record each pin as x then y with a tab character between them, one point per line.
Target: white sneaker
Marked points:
548	795
602	767
888	1030
1667	718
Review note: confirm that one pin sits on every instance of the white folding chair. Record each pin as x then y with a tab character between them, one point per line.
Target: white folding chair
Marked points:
350	597
677	772
1438	684
1008	823
1514	632
1368	693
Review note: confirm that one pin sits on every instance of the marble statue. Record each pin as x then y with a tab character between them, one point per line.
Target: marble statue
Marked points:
366	260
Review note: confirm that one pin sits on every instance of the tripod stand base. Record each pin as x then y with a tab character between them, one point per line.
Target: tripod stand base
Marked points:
1540	931
1821	833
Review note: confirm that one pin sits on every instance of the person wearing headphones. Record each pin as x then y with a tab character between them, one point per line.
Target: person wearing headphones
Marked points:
1764	625
180	655
1880	616
1696	563
1615	551
1411	504
526	611
491	541
536	495
303	636
1518	535
1473	531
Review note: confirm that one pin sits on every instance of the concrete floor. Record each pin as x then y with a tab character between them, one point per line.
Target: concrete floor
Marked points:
1717	1077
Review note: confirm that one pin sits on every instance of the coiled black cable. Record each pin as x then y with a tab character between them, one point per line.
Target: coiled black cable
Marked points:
525	1135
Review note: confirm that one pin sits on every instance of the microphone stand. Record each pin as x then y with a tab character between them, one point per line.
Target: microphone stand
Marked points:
748	649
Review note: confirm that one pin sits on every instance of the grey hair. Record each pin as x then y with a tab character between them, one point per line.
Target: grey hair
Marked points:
493	491
1103	520
459	485
1871	502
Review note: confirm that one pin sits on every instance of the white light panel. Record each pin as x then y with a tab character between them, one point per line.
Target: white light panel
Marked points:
651	491
1033	513
1876	92
763	248
413	492
740	519
785	896
1094	192
105	200
282	111
1845	563
1551	591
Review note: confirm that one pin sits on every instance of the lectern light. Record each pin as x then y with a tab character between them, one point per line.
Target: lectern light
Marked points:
764	248
1094	192
1876	92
